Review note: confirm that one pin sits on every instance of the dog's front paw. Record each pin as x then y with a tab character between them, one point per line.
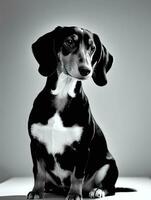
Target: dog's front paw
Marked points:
96	193
74	196
35	195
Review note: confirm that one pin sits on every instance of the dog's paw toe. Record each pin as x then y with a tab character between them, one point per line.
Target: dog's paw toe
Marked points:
74	197
35	195
96	193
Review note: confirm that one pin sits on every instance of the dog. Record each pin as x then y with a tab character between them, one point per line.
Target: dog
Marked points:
68	148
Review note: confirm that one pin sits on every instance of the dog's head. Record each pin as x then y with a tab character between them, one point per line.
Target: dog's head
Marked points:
74	51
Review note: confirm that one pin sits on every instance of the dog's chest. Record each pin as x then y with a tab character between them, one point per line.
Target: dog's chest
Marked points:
54	135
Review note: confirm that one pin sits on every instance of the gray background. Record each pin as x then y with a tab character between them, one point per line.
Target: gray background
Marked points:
122	108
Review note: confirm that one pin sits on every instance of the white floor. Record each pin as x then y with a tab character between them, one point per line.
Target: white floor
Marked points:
17	188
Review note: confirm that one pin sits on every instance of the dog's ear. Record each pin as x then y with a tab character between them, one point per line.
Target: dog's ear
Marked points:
45	52
102	62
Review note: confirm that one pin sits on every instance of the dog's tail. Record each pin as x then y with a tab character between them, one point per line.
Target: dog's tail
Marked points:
122	189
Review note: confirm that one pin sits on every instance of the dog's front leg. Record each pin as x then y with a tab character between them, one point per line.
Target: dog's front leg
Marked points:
39	183
77	178
75	192
39	174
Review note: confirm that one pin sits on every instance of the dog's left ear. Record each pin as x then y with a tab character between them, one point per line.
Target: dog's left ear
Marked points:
102	61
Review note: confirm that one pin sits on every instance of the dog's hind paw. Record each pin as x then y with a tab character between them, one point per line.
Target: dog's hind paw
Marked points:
35	195
96	193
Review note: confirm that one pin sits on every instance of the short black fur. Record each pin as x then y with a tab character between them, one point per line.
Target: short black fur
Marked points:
91	153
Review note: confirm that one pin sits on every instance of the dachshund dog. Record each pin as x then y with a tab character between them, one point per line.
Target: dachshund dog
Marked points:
68	148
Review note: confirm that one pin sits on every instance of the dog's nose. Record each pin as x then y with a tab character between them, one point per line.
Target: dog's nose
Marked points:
84	71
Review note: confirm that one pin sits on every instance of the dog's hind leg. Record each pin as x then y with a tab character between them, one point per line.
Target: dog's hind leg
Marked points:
104	181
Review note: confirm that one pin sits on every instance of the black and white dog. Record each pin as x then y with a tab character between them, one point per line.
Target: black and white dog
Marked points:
68	148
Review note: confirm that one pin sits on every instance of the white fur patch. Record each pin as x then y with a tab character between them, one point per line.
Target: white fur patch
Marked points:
60	172
54	135
65	86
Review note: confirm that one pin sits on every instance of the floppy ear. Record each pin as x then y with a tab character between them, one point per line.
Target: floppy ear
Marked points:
102	61
45	52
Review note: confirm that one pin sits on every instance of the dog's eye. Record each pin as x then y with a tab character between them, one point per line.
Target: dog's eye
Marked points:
69	43
91	49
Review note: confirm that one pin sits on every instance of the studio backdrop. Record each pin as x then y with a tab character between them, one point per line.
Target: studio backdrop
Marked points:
121	108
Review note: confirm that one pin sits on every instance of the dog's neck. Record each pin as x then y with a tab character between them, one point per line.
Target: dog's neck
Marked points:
65	86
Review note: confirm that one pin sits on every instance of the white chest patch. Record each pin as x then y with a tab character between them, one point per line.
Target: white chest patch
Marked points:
54	135
58	171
